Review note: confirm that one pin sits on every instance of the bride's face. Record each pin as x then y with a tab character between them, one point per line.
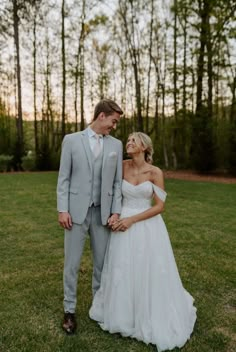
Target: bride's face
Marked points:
133	145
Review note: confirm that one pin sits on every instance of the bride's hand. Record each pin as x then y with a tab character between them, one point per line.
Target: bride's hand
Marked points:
122	224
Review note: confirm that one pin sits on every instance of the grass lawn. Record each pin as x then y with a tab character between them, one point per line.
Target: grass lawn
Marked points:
201	219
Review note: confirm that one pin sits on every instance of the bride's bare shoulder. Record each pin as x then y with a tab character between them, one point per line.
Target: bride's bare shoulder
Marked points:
156	171
157	175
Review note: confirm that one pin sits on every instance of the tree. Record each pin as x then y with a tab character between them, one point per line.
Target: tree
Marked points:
202	142
232	133
63	55
79	71
19	150
128	14
150	47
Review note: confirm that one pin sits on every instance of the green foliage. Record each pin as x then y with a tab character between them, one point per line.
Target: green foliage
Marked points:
222	129
203	148
129	43
9	143
18	153
183	124
232	148
5	162
188	128
29	162
7	131
31	267
47	158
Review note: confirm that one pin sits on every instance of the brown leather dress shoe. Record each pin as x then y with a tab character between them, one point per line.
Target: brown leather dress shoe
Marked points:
69	323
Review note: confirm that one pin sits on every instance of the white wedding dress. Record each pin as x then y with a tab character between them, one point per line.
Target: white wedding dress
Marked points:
141	294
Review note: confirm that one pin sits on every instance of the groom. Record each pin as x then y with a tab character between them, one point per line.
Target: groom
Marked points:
88	197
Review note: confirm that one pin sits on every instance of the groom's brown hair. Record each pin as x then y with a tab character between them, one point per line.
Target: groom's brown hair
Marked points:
107	106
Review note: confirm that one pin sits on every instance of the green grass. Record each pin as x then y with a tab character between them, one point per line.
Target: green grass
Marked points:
201	221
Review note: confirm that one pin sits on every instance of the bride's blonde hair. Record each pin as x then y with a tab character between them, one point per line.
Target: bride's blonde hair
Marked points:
146	141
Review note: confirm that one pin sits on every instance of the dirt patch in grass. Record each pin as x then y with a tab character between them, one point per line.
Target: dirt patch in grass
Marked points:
179	175
193	176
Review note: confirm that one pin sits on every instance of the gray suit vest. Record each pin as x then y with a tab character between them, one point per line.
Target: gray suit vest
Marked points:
97	180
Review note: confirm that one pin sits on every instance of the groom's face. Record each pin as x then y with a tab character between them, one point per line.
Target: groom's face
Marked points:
108	123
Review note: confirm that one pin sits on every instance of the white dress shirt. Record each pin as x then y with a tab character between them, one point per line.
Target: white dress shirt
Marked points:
92	138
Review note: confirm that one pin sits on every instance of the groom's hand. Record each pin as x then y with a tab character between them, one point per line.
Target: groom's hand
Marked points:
112	219
122	224
65	220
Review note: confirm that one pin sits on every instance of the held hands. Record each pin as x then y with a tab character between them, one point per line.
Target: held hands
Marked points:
112	219
122	224
65	221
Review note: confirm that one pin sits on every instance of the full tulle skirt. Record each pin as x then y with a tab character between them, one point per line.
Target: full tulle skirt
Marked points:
141	293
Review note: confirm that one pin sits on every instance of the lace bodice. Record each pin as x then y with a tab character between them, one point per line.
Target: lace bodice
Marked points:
140	196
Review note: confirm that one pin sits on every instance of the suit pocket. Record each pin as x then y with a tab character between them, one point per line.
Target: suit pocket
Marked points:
112	156
112	159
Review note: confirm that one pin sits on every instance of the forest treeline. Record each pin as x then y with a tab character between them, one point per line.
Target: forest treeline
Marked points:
170	65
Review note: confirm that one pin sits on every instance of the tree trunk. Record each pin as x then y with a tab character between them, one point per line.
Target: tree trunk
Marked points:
79	73
82	121
63	114
232	132
82	68
200	65
19	119
233	103
209	64
175	59
149	66
185	126
76	97
49	128
165	152
174	131
156	115
35	85
185	63
134	55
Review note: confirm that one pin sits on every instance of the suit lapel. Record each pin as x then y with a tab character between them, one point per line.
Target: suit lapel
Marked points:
87	149
105	149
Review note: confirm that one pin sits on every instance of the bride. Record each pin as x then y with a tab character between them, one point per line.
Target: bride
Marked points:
141	293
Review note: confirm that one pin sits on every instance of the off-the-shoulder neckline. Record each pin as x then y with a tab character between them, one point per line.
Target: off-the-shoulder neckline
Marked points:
142	184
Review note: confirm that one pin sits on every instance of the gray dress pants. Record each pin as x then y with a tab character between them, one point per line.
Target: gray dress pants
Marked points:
73	246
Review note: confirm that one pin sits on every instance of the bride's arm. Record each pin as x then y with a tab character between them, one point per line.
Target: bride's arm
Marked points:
157	208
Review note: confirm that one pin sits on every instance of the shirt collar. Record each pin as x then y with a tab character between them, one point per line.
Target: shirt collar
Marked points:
92	133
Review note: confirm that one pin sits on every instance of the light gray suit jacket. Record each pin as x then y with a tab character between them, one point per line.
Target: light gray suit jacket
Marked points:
74	186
